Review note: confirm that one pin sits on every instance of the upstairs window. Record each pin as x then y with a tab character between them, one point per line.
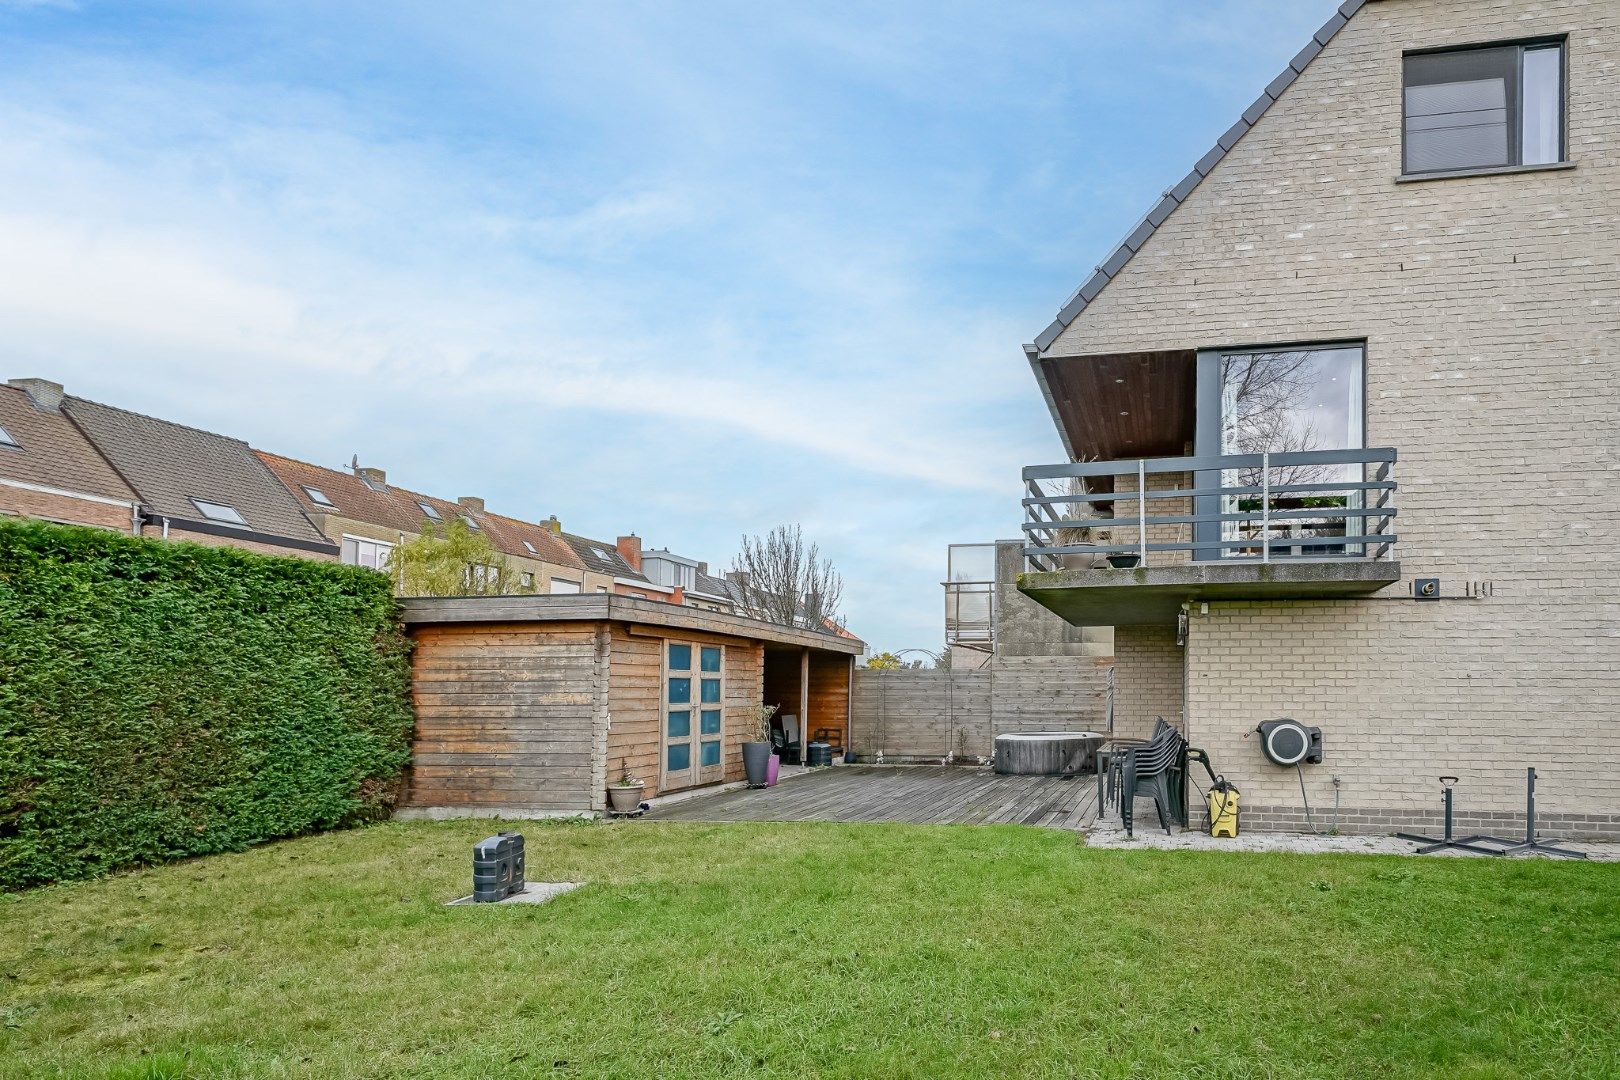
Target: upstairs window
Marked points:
317	496
220	512
1485	108
529	548
432	514
359	551
7	440
471	524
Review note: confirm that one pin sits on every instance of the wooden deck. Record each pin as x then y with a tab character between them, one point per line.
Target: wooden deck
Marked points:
933	795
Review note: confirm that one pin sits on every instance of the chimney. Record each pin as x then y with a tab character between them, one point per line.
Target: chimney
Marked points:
45	395
703	568
553	524
373	478
471	502
630	548
678	596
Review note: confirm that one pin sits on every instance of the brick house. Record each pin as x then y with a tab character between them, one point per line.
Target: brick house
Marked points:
369	517
98	465
49	470
1350	396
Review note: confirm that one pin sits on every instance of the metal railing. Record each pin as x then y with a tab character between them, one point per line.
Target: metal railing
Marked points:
1321	504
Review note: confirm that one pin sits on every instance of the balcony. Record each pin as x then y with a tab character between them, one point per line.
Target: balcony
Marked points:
1126	543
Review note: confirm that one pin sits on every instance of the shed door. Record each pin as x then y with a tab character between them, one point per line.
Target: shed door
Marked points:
694	715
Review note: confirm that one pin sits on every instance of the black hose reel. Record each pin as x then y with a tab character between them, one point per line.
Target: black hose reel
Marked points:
1288	743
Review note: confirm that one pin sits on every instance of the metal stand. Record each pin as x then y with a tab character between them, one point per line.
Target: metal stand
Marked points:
1467	843
1531	844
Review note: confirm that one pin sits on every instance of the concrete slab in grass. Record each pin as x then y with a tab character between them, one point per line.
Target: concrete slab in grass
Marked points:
534	892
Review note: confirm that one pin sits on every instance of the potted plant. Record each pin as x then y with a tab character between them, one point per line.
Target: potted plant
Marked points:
624	794
1083	535
757	755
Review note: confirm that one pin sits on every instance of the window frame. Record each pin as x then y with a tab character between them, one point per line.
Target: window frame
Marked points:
317	496
236	521
696	773
1208	423
351	538
8	441
551	587
430	512
1516	110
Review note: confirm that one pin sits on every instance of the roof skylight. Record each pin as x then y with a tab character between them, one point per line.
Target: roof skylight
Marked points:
430	511
221	512
7	440
316	495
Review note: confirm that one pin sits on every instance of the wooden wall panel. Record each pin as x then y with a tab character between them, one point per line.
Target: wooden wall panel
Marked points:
829	696
504	717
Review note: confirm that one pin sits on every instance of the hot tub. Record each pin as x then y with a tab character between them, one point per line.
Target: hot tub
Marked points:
1047	753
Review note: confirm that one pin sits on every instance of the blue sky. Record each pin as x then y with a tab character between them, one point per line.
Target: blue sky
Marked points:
687	270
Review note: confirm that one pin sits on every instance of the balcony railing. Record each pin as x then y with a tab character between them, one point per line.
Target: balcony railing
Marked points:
1315	504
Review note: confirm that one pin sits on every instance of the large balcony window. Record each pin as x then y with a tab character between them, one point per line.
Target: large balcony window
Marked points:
1284	402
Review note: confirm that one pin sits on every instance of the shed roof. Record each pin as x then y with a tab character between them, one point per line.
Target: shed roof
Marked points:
608	607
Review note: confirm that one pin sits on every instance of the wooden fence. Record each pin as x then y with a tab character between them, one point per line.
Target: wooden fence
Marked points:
931	715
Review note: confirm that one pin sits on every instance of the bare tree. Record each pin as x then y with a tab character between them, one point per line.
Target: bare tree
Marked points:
785	581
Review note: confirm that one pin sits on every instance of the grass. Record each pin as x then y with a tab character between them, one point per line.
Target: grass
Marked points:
798	950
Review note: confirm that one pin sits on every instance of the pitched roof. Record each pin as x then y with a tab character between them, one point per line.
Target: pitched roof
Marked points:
1110	267
169	465
392	507
710	585
602	557
52	452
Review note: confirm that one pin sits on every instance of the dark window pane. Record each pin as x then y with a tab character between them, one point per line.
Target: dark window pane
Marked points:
680	691
711	658
680	658
709	722
680	724
711	753
680	757
1459	109
711	690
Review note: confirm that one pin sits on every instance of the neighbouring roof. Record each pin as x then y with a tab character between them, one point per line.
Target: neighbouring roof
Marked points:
170	465
602	557
1110	267
709	585
51	452
392	507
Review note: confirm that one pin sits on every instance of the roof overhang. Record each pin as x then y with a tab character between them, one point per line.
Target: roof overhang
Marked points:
423	611
1122	405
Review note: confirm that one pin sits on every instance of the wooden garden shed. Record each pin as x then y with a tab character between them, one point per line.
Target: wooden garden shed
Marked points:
529	706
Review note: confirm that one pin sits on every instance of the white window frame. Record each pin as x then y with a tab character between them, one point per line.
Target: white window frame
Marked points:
431	512
380	547
7	439
317	496
573	587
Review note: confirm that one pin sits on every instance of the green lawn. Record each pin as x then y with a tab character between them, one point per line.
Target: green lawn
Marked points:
796	950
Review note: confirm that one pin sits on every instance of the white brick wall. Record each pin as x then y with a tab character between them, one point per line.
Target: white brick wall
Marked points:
1491	307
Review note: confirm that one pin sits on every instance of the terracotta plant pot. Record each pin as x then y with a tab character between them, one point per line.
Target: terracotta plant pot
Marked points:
626	798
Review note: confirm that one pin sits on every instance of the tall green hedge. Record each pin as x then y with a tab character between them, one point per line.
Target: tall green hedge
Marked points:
166	699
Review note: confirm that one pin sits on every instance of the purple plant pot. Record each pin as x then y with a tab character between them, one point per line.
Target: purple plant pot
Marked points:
773	769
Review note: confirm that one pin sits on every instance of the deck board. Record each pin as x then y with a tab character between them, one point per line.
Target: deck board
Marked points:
923	795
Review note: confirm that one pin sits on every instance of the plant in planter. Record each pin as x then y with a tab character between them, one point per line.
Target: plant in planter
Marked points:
1077	535
758	758
624	794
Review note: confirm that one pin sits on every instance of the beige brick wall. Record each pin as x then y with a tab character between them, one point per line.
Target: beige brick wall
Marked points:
1148	676
1491	307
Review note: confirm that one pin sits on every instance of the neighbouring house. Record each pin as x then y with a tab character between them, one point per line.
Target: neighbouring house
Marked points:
1013	667
1348	399
697	586
531	706
369	517
49	470
190	484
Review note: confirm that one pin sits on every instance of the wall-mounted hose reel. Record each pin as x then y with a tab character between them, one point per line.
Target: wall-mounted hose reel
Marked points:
1288	742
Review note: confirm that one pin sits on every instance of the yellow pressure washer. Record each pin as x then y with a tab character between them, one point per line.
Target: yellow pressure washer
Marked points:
1221	799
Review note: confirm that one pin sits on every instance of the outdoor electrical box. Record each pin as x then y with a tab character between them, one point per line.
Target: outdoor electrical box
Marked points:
1288	742
1426	588
497	867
